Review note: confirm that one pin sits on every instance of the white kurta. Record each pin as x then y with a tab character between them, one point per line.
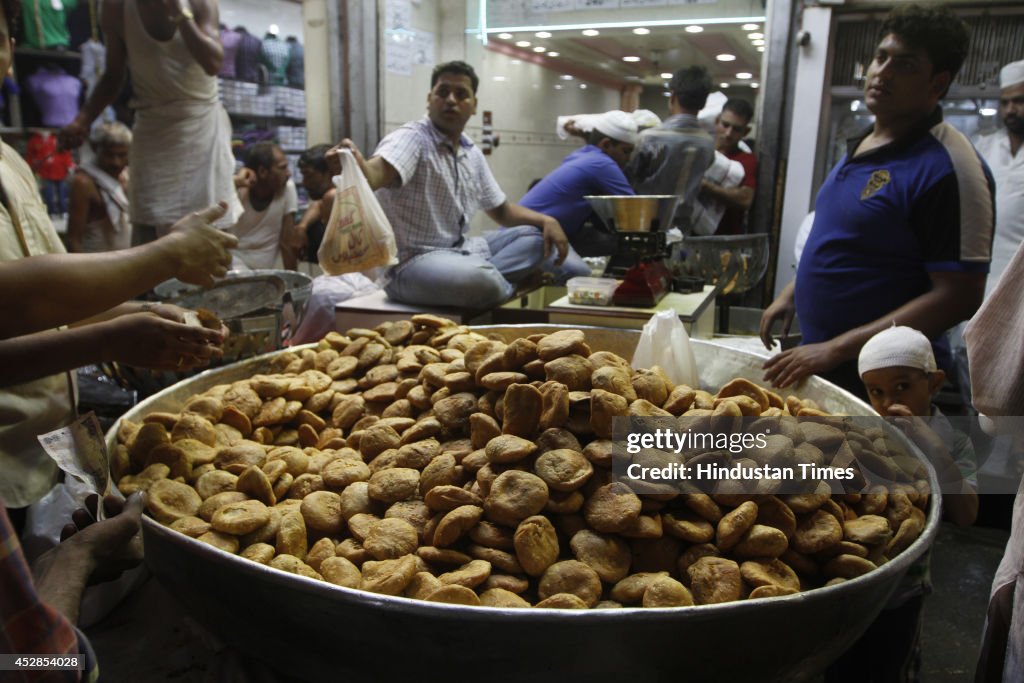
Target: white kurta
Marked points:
1009	176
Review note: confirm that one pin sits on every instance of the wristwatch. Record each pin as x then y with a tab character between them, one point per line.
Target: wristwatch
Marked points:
185	15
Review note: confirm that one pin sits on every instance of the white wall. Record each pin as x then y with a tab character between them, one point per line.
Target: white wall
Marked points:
524	105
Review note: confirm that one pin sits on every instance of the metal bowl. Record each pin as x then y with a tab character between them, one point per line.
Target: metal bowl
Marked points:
740	259
318	631
635	213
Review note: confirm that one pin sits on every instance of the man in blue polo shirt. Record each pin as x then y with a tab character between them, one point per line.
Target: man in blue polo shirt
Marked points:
903	225
595	169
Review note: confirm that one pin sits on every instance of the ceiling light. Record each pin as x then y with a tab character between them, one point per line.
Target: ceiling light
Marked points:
666	75
540	49
566	77
755	85
693	28
760	49
757	43
631	58
542	34
750	27
726	58
523	43
591	32
559	86
755	35
516	61
641	31
505	36
723	85
583	86
987	111
744	75
667	94
553	54
499	78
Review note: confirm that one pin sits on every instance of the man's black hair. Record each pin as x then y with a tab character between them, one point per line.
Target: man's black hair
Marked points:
315	158
740	107
456	67
936	30
260	155
691	86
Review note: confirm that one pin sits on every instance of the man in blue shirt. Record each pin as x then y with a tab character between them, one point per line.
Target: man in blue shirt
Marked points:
595	169
903	225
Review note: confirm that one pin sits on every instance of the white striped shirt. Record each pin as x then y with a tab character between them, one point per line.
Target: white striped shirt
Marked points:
440	189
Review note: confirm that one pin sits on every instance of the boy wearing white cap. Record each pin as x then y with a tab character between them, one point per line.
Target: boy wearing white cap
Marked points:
898	369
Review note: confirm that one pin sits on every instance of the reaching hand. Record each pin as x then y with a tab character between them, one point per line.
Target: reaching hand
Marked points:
150	341
334	159
783	308
111	546
791	366
555	239
199	249
73	135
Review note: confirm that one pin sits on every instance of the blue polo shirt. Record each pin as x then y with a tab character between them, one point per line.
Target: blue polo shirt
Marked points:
886	219
560	194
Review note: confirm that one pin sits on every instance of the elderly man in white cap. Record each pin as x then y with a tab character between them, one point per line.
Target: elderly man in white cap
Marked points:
1002	152
594	169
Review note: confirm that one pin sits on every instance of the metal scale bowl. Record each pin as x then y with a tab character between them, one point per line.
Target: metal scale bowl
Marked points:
734	263
640	222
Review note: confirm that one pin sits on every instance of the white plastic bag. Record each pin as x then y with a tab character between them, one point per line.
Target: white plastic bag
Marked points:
358	235
664	343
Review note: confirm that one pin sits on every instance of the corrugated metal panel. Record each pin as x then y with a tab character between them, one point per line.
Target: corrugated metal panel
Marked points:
995	41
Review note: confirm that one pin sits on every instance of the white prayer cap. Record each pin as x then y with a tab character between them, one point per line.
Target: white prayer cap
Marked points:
618	125
902	347
1012	74
645	118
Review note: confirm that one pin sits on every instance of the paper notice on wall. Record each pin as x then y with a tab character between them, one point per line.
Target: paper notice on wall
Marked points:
552	5
423	48
80	450
398	15
398	53
597	4
691	2
643	3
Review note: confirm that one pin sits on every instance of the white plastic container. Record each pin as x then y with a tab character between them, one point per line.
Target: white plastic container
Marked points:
591	291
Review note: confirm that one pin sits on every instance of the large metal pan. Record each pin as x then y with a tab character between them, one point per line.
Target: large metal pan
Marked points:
321	632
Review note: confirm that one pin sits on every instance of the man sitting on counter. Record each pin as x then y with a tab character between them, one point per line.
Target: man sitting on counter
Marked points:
431	180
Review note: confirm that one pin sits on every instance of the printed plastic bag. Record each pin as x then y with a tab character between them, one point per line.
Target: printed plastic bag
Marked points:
358	235
664	343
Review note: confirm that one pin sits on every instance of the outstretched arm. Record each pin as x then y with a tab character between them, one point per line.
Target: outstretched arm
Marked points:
42	292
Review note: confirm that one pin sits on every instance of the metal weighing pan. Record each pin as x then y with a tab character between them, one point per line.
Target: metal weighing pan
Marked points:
320	632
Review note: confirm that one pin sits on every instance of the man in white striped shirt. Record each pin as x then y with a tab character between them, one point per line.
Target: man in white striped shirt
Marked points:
431	179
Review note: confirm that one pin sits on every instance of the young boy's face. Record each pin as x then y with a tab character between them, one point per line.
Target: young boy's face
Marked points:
908	387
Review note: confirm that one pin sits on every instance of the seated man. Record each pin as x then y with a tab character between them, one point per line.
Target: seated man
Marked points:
316	178
595	169
268	211
98	218
431	180
671	158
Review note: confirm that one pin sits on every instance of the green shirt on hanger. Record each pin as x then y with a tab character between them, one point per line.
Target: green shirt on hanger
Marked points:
45	23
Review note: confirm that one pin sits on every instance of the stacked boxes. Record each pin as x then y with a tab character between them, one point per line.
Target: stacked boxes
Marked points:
288	102
242	98
291	137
